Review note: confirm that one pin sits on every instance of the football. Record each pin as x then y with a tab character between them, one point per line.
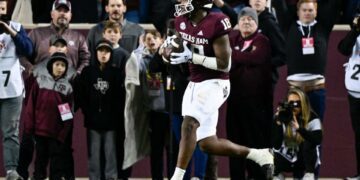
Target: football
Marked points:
175	45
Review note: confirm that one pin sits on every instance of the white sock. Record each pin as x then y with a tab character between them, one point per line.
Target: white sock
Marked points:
178	174
260	156
252	154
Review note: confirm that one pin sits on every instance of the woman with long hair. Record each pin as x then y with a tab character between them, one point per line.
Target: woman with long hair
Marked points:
297	135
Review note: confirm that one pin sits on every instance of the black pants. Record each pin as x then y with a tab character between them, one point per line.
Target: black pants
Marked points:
248	123
27	146
26	154
58	154
306	161
354	104
159	133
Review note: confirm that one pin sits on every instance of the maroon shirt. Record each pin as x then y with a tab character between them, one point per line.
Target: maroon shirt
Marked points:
250	74
201	38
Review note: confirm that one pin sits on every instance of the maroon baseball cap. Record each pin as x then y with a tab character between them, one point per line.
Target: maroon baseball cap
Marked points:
58	3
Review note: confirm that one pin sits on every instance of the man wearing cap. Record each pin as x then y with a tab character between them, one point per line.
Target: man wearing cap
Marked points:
13	43
130	31
78	53
251	92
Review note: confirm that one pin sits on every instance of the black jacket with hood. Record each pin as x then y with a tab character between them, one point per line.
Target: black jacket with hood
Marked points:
101	96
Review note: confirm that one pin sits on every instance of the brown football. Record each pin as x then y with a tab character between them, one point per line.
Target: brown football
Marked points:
176	45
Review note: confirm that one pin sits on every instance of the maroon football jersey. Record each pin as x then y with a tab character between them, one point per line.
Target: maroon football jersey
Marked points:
201	38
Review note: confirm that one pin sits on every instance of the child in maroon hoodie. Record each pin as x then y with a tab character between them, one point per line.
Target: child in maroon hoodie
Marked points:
49	116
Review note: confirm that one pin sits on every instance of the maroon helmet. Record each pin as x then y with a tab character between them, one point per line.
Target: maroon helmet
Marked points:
192	5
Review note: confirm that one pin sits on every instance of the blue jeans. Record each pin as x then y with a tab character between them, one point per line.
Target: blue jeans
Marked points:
10	110
199	157
317	101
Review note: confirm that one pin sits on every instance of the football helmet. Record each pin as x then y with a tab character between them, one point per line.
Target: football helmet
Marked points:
192	5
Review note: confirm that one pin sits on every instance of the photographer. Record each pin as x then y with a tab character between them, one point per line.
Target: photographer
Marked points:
297	134
349	45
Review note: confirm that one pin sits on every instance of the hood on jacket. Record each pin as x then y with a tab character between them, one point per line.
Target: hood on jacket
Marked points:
57	56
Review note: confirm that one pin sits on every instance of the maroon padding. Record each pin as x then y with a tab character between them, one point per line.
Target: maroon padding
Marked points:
338	157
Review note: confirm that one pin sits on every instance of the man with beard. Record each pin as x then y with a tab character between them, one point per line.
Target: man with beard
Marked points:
130	31
78	56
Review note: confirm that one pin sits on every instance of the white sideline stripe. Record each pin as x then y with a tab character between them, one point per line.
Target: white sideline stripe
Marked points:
145	26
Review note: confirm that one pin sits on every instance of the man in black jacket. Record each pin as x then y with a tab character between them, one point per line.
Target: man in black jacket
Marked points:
306	49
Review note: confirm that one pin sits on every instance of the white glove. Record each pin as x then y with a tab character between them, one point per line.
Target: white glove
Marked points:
183	57
167	41
165	44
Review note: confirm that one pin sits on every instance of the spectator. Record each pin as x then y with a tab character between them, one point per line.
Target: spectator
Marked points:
249	112
14	43
57	44
100	99
268	26
154	100
348	46
77	48
306	49
130	31
49	116
297	134
112	32
77	53
210	54
129	41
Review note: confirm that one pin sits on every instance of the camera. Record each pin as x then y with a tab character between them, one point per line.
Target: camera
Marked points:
286	111
6	19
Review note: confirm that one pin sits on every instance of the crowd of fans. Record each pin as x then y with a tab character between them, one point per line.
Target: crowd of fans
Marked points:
131	97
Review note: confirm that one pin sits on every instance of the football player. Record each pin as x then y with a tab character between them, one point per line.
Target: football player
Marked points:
206	45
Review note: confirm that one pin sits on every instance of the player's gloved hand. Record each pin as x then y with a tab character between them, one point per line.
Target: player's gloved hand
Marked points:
165	44
183	57
167	41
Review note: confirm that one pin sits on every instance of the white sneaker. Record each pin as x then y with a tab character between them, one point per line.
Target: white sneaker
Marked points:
265	159
13	175
309	176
